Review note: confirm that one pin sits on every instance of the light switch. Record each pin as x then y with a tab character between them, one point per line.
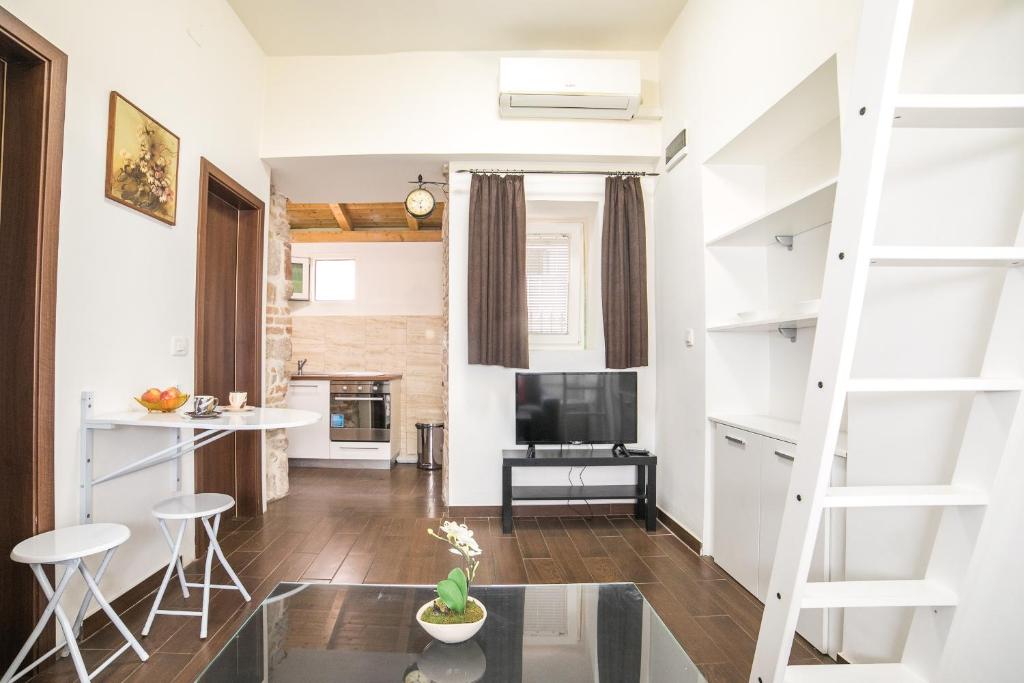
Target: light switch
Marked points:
690	338
179	346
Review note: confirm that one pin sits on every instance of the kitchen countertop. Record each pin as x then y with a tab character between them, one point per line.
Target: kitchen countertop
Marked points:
348	376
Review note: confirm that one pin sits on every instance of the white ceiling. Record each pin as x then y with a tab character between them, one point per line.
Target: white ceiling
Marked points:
353	179
350	27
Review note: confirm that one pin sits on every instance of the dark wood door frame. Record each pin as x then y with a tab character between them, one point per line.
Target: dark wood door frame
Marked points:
215	183
33	79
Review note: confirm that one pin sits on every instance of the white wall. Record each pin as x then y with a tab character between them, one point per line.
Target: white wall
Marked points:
429	103
391	278
723	62
481	400
125	282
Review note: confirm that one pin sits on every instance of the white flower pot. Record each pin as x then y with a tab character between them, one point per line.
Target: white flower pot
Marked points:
451	633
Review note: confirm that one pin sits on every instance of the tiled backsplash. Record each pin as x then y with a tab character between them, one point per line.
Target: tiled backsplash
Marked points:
409	345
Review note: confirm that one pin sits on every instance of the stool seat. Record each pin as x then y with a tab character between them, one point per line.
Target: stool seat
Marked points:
193	506
70	543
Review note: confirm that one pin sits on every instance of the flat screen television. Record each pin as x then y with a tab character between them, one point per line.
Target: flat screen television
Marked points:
576	408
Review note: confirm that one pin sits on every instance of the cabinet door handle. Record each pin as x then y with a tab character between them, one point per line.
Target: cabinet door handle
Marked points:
733	439
784	456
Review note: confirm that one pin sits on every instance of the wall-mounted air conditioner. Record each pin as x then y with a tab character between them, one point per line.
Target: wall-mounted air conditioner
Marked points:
569	88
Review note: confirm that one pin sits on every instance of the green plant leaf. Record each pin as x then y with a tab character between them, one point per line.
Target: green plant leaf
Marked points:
459	578
452	596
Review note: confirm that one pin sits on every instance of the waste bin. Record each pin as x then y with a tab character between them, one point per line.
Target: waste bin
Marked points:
429	442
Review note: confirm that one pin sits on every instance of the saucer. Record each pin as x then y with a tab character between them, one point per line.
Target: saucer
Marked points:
246	409
204	416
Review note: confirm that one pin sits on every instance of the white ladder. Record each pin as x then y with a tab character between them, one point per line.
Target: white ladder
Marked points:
875	106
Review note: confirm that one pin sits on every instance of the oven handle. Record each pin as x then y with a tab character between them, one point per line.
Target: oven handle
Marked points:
357	398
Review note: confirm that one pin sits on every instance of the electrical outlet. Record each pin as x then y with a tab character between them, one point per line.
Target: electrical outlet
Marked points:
179	346
691	338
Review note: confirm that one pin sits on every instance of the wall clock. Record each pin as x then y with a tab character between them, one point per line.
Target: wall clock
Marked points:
419	203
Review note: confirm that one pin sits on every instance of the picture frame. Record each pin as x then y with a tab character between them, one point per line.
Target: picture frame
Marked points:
300	278
142	161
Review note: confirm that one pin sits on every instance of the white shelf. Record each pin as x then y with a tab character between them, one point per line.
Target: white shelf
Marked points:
804	110
912	593
851	673
808	211
903	496
773	428
769	322
938	384
947	256
960	111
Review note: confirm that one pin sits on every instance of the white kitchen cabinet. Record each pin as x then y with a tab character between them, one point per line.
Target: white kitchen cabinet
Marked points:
754	467
737	502
776	468
311	442
362	453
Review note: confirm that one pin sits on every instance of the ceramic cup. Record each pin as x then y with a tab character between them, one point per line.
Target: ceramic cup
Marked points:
204	405
237	399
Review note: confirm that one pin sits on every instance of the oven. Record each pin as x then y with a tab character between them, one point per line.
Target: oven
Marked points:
360	411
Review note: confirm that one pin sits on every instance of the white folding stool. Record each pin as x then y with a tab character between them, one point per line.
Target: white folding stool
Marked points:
201	506
68	547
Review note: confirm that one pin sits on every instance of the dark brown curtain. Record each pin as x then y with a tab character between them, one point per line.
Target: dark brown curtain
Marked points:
624	273
498	329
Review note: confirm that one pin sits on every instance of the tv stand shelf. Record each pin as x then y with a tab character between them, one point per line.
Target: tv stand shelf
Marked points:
644	491
606	492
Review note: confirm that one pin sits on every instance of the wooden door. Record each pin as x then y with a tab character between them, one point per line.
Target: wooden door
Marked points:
32	79
229	305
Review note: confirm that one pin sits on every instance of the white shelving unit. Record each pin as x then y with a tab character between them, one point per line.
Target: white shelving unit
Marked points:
809	210
768	199
774	178
766	322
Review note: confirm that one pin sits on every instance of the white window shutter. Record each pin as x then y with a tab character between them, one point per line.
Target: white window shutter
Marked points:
547	283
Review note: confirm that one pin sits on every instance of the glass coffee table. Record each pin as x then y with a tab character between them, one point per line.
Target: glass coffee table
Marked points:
593	633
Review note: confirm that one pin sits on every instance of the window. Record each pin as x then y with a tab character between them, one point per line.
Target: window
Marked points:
334	280
554	284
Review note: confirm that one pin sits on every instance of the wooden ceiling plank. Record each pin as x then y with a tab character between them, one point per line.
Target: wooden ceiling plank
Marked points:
367	236
341	216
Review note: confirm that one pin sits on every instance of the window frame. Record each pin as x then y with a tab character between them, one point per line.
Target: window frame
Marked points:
313	283
575	338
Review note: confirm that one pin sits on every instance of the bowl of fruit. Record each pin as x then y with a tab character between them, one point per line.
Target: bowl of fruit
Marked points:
166	401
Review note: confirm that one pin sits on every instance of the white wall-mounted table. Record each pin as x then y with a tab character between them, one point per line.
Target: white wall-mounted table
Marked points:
206	430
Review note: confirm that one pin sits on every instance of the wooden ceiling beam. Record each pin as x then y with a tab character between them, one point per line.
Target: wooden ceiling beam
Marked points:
341	216
366	236
411	221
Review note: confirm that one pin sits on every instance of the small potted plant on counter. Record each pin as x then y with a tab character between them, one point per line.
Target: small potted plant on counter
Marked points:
454	616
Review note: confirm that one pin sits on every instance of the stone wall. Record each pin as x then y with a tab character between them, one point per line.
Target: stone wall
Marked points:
278	344
444	350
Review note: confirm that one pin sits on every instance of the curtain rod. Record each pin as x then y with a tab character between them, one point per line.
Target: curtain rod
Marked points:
520	171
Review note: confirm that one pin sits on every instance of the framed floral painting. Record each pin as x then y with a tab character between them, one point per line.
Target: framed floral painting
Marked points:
142	161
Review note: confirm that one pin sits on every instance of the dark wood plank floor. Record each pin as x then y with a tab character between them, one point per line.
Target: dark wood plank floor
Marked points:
368	526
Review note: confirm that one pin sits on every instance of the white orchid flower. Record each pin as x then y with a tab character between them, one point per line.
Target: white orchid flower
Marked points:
460	538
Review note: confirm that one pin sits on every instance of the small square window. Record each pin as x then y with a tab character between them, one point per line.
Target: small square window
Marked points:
334	280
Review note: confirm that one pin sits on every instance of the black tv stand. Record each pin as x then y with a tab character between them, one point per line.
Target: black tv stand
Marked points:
643	492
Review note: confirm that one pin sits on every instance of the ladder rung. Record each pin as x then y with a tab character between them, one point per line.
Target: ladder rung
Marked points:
902	496
960	111
930	384
948	256
913	593
851	673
